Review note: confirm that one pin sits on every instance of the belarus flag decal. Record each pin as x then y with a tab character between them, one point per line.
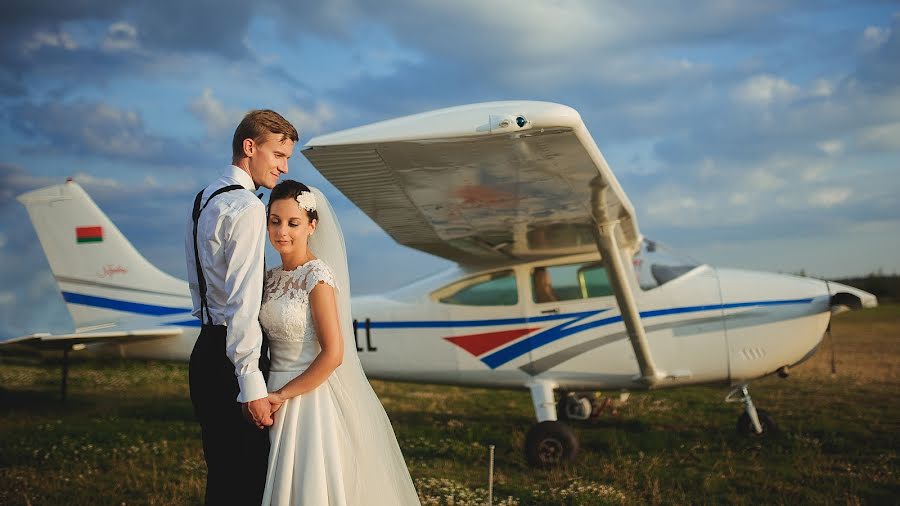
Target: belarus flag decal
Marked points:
88	234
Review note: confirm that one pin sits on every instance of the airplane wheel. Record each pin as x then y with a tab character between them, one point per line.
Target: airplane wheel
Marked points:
745	426
550	443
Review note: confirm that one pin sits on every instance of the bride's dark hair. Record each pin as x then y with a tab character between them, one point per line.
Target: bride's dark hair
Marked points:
290	189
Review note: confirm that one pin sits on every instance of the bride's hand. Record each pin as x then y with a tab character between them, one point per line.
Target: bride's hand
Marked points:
276	400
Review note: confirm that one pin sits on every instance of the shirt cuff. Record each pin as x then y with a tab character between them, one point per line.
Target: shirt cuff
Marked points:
253	387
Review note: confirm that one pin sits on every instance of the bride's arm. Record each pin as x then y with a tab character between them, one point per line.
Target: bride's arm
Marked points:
324	313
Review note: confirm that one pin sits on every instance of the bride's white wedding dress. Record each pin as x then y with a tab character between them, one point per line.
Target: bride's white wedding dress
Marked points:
333	445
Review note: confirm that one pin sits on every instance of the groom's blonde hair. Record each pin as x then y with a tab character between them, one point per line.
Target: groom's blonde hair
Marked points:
258	123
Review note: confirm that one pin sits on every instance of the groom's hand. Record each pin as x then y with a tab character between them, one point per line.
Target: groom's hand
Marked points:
259	412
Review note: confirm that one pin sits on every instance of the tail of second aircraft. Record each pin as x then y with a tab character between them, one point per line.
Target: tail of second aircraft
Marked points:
101	275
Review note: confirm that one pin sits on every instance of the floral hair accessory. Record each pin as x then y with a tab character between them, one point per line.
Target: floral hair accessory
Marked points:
307	200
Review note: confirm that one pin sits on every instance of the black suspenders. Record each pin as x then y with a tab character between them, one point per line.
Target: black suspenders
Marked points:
201	281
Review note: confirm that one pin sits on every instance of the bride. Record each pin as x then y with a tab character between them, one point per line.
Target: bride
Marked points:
331	442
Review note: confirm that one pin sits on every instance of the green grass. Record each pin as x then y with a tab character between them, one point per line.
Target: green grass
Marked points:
127	436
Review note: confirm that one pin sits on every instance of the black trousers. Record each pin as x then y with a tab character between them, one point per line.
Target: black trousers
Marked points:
236	452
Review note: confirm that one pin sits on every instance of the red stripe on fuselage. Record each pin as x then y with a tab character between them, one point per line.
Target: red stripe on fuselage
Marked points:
476	344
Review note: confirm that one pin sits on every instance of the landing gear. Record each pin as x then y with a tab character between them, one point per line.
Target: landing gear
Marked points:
549	442
745	424
754	422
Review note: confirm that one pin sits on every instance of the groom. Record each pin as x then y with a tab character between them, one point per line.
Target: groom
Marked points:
225	250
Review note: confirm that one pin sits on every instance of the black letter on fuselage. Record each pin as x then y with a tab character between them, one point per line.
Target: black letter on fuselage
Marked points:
356	334
369	346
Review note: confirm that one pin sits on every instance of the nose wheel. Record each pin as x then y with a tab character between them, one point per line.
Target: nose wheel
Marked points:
752	422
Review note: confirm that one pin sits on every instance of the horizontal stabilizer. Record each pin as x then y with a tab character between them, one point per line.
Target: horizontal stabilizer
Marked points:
61	341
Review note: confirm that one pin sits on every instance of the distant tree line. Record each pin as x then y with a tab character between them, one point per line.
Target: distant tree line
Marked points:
884	286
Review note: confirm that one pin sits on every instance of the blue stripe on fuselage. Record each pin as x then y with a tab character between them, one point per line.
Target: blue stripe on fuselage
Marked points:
492	360
567	328
121	305
478	323
186	323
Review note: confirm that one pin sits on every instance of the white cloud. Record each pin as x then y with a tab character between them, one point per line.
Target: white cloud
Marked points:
815	173
874	36
829	197
212	112
3	240
667	206
87	179
675	205
310	122
708	169
120	36
151	182
7	298
739	199
831	147
43	38
764	90
41	285
115	131
884	137
761	179
821	88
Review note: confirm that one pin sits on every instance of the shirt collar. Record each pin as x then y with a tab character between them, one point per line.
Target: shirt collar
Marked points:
242	177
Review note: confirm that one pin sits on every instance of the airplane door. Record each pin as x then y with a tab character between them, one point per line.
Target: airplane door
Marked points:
569	303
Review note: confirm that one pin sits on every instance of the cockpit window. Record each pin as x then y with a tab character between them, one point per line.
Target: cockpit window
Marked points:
491	289
656	265
569	282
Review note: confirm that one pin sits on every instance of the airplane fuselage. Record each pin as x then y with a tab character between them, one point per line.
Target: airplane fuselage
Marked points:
706	325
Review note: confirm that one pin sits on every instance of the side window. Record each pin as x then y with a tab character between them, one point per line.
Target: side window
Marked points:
595	281
569	282
493	289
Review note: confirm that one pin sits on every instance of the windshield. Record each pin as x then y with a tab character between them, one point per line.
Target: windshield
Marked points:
656	265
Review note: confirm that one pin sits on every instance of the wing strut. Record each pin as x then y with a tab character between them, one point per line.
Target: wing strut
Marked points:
607	244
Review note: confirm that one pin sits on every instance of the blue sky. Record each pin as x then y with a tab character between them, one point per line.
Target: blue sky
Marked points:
763	135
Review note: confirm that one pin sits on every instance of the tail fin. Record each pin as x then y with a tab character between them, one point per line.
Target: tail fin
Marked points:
101	275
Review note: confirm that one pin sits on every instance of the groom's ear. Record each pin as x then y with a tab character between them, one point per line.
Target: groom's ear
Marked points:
249	147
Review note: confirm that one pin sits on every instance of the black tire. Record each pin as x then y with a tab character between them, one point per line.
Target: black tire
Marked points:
550	443
745	426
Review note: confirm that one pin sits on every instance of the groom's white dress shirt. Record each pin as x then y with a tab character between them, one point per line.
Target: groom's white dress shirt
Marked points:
231	235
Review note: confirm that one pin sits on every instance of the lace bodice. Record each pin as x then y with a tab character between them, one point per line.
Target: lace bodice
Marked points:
284	313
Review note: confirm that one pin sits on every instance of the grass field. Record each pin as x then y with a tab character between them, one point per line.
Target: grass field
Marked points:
127	436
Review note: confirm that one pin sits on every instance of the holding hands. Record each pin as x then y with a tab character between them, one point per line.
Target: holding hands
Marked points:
260	411
276	400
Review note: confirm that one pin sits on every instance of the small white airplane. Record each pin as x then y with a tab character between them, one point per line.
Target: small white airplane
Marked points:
555	290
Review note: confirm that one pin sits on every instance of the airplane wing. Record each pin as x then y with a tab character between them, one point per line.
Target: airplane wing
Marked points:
61	341
479	184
